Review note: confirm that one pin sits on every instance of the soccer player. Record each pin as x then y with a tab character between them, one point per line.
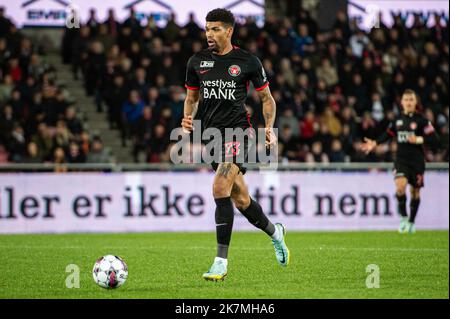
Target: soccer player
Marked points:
216	82
412	131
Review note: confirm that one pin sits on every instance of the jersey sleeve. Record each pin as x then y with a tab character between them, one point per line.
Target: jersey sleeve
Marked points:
391	131
192	81
258	74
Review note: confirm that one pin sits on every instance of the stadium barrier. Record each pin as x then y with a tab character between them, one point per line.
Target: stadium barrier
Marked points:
115	199
123	167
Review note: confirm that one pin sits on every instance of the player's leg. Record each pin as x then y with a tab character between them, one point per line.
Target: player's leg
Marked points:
400	185
224	216
417	184
414	207
255	215
248	207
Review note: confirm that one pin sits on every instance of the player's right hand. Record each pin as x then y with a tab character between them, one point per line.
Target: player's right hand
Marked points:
187	124
368	145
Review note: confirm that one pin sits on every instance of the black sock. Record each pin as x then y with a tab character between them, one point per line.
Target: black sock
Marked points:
414	206
402	205
224	225
255	216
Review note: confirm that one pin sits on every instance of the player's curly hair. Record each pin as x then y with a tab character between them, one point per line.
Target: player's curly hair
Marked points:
221	15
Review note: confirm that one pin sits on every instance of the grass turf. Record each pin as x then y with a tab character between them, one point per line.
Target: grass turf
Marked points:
170	265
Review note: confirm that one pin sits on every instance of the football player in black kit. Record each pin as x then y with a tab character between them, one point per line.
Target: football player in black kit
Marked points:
411	131
217	81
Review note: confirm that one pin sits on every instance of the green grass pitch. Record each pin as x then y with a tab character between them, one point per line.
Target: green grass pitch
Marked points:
170	265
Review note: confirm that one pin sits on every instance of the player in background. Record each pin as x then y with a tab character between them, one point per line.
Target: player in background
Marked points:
216	82
411	131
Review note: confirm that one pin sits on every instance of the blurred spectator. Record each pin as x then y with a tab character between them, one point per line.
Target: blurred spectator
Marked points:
332	86
332	122
358	43
85	142
92	22
17	143
44	141
308	128
5	23
59	158
32	155
303	42
73	123
290	143
6	88
7	121
37	122
142	132
75	154
327	73
97	153
287	119
158	144
114	100
317	155
132	111
337	154
62	135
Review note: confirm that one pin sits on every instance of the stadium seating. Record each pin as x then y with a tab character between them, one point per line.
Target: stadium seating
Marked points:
332	87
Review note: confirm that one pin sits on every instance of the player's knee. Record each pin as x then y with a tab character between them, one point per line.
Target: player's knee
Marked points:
415	193
401	190
221	188
241	202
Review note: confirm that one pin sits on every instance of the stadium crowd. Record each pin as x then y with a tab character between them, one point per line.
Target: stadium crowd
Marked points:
38	118
332	88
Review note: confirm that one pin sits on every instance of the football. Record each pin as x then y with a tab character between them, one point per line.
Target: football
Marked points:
110	272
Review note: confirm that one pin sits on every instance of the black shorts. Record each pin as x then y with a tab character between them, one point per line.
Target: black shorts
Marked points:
236	152
413	173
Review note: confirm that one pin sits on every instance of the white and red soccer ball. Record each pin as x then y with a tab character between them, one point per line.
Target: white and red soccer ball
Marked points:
110	272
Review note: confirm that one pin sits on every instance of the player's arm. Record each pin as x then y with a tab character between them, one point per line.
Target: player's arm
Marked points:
190	109
369	144
192	85
428	136
259	79
269	109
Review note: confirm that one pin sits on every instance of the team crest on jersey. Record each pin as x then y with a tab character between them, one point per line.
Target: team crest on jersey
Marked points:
207	64
413	125
234	70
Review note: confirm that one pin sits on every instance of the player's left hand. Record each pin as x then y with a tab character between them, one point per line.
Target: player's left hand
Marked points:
187	124
271	138
412	139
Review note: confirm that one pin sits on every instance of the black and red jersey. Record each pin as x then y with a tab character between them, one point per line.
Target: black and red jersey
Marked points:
401	129
223	81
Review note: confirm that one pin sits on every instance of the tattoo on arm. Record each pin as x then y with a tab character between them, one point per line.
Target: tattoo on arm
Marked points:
191	103
224	169
269	107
